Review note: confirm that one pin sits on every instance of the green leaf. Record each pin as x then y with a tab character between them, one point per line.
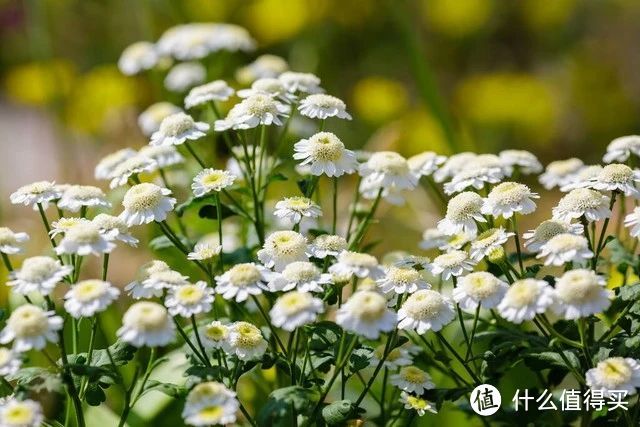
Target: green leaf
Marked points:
162	242
337	413
441	395
285	403
630	292
238	256
359	359
37	380
551	359
95	395
211	211
172	390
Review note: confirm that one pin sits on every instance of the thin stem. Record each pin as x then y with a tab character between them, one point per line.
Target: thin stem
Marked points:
362	228
473	332
219	220
195	156
271	328
387	349
514	222
198	340
193	348
335	205
457	356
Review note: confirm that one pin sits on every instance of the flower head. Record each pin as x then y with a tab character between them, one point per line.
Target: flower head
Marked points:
525	299
147	324
30	327
246	341
184	76
322	106
295	309
548	229
177	129
297	208
38	274
145	203
217	90
204	251
366	313
617	177
215	335
300	82
9	362
137	57
85	239
40	192
211	180
387	170
453	263
75	197
189	300
565	248
591	204
20	413
150	119
621	148
327	245
615	374
425	310
129	167
10	242
480	288
164	155
114	228
89	297
303	276
268	86
241	281
259	109
559	173
463	211
417	403
580	293
264	66
487	241
210	403
425	163
324	153
357	264
282	248
402	280
508	198
137	289
527	162
412	379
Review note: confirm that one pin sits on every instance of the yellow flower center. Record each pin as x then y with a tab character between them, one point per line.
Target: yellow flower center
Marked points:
88	290
413	375
28	321
189	294
142	196
242	275
18	414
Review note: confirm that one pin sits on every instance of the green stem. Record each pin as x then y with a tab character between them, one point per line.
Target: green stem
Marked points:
514	222
193	348
335	205
199	341
271	328
473	332
362	228
195	156
458	357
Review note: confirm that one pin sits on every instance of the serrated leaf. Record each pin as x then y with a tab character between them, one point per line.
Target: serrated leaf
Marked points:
551	359
630	292
172	390
162	242
211	211
359	359
284	403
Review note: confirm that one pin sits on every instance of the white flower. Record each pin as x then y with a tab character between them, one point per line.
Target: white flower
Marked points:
412	379
204	251
189	300
453	165
303	276
9	362
548	229
295	309
85	239
324	153
463	211
453	263
621	148
617	177
160	280
241	281
10	242
20	413
185	76
488	241
264	66
565	248
387	170
357	264
559	173
114	228
397	357
527	162
300	82
246	341
426	163
137	57
38	274
524	299
75	197
327	245
148	324
582	178
89	297
217	90
210	403
366	313
163	155
136	288
282	248
108	164
402	280
417	403
150	119
268	86
425	310
591	204
475	177
457	241
30	327
145	203
177	129
296	208
198	40
479	288
432	238
65	224
251	112
40	192
631	221
615	374
211	180
508	198
215	335
131	167
581	293
322	106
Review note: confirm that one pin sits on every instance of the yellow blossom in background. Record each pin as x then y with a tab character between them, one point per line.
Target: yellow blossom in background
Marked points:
457	18
542	15
39	83
271	21
377	99
207	10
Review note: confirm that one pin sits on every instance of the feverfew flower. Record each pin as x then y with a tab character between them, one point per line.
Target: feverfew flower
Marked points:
85	239
296	208
198	40
432	238
204	251
617	177
508	198
402	280
264	66
210	403
632	221
241	281
150	119
246	341
453	165
387	170
189	300
426	163
40	192
357	264
76	197
129	167
158	281
211	180
425	310
30	327
300	82
254	111
9	362
185	76
65	224
582	178
145	203
581	293
295	309
548	229
282	248
559	173
621	148
474	177
417	403
479	289
215	335
20	413
10	242
322	106
463	211
366	313
137	289
591	204
217	90
268	86
89	297
38	274
327	245
488	241
615	374
324	153
164	155
524	299
177	129
114	228
412	379
565	248
453	263
147	324
527	162
137	57
397	357
303	276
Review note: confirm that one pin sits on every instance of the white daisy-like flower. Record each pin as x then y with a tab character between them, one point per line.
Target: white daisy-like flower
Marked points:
211	180
322	106
264	66
203	251
565	248
631	221
40	192
137	57
559	173
300	82
136	288
457	242
525	299
10	242
85	239
324	153
396	358
617	177
453	263
189	300
402	280
20	413
425	310
89	297
432	238
453	165
463	211
148	324
108	164
30	327
295	309
474	177
621	148
75	197
210	403
241	281
246	341
268	86
184	76
509	198
215	335
217	90
615	374
198	40
581	293
582	178
414	261
591	204
303	276
417	403
150	119
145	203
387	170
282	248
526	162
326	245
535	239
9	362
177	129
159	281
64	224
426	163
487	241
366	313
296	208
164	155
132	166
412	379
357	264
479	288
254	111
114	228
38	274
